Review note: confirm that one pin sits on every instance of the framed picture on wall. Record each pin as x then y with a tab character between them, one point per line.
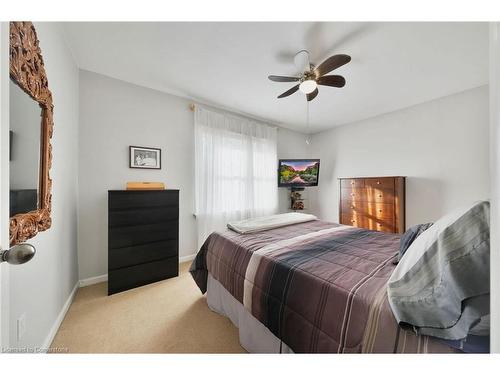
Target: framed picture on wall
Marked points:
144	157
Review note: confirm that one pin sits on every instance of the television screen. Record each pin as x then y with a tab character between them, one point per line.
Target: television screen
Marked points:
298	172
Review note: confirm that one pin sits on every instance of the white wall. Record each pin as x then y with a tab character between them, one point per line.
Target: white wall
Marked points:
41	287
495	183
113	115
441	146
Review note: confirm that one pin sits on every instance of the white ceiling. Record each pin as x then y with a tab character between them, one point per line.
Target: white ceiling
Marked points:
394	65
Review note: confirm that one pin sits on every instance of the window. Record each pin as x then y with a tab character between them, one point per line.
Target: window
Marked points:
236	172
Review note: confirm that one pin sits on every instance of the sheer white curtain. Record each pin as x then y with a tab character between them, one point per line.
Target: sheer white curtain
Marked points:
235	170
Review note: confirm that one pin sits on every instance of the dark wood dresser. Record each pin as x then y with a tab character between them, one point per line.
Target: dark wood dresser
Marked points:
143	237
376	203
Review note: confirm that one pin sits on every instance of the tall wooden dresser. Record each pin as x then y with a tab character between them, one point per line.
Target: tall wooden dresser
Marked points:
143	237
376	203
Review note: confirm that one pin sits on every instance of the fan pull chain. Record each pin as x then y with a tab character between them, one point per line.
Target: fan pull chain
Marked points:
308	138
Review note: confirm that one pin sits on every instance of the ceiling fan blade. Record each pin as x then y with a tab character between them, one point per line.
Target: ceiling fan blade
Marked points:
289	92
331	63
312	95
283	79
335	81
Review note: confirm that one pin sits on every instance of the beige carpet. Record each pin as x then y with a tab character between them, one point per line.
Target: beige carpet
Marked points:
170	316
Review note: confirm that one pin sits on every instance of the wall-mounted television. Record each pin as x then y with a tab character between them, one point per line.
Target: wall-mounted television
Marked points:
298	172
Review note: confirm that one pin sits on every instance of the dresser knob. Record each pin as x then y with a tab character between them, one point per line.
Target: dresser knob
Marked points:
378	182
352	194
353	221
380	195
353	207
352	182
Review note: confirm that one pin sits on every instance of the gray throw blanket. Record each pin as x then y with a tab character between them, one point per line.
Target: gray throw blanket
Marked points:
441	287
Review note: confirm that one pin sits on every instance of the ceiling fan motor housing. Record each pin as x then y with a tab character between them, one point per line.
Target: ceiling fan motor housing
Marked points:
308	75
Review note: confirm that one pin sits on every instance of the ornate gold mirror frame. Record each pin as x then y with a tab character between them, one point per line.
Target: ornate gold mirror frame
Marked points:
28	72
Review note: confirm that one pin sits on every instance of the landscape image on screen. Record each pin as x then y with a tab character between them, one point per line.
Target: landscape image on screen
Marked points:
299	172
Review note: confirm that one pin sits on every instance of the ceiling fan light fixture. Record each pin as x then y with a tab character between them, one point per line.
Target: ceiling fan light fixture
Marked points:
308	86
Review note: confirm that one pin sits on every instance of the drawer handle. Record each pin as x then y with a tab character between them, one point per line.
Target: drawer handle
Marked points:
353	221
353	207
380	195
378	182
380	211
352	182
352	194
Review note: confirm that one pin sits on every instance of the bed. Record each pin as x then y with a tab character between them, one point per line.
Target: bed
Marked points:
312	287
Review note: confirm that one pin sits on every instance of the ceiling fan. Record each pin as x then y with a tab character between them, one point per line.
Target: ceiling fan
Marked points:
314	76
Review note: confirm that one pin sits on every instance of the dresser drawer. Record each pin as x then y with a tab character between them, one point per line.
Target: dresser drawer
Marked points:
142	274
353	206
127	200
129	256
141	216
350	194
142	234
353	220
382	182
367	195
368	209
380	225
361	221
352	182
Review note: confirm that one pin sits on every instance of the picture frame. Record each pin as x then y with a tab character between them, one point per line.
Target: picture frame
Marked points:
144	157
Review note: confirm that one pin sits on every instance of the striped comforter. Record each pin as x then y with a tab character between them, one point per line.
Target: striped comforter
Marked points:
319	287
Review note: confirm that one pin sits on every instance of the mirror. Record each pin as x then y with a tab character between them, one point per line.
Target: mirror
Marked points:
25	121
31	126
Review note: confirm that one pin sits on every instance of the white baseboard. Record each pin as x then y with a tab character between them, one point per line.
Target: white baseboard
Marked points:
93	280
59	320
187	258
